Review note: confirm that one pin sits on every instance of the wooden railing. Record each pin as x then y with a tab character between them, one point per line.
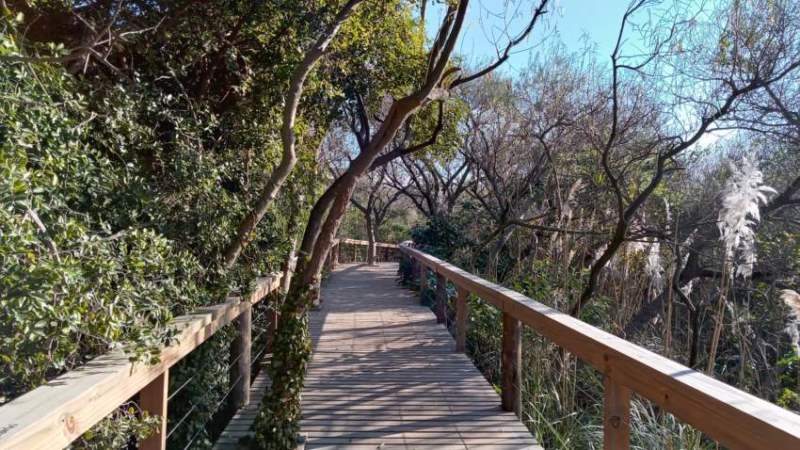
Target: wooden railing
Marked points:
354	250
55	414
730	416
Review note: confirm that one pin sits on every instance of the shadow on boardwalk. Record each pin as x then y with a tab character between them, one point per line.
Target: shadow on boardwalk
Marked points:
384	375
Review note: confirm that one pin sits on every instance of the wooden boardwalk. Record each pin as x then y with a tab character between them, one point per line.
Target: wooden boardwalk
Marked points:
384	374
240	423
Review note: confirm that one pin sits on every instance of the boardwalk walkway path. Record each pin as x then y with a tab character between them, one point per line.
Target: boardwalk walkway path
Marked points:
384	374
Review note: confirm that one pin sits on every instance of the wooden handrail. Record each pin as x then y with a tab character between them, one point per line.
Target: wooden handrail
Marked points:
55	414
387	251
732	417
360	242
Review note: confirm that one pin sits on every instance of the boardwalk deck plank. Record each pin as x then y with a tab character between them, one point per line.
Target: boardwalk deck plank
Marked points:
240	424
384	375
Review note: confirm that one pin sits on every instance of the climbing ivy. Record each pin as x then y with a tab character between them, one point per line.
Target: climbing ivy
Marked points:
278	421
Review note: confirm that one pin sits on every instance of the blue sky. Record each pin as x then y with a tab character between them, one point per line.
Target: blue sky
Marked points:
575	23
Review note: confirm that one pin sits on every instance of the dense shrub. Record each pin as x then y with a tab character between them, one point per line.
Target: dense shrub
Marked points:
71	285
125	173
441	236
117	196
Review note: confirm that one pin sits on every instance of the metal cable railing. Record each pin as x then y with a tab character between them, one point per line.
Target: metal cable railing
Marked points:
180	388
260	316
214	410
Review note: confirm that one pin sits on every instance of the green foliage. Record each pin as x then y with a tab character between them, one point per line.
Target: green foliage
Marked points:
119	190
440	236
484	337
127	424
407	271
379	51
449	138
72	286
789	394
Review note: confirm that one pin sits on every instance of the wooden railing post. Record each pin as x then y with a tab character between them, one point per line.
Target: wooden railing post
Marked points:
241	353
153	399
616	415
423	280
413	267
511	364
462	314
440	308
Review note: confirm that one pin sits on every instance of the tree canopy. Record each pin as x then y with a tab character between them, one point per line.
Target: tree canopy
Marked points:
157	156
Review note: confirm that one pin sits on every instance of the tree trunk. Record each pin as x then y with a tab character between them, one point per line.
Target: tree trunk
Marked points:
278	421
494	255
288	266
371	248
288	138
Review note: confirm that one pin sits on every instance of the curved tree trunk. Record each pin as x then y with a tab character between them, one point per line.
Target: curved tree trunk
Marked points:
288	139
277	423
